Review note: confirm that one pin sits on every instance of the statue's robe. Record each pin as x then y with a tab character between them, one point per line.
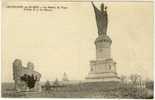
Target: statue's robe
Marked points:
101	20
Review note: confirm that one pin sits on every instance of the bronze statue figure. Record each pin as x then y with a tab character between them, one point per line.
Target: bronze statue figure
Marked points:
101	19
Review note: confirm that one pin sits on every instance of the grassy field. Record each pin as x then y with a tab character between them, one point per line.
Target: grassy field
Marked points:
83	90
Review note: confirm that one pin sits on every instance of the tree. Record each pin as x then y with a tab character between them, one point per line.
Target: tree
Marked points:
123	79
47	86
56	83
134	78
29	80
65	77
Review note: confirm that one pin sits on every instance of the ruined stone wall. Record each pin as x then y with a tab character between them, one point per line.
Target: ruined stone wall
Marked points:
26	79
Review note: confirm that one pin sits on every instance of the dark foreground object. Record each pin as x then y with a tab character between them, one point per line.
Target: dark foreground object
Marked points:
82	90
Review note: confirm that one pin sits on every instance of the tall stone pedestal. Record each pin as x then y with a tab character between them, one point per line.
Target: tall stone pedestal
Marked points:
104	67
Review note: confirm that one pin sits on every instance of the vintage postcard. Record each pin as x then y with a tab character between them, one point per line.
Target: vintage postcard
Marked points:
77	49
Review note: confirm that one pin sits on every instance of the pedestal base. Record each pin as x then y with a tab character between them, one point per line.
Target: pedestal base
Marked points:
102	70
97	77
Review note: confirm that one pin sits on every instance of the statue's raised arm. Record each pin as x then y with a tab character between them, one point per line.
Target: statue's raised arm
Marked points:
101	19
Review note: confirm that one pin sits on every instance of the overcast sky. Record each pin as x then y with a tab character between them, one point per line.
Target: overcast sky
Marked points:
63	40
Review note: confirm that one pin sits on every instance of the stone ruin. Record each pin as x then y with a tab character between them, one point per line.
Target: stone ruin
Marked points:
26	79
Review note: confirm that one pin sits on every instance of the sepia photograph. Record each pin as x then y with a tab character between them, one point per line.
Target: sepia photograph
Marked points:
77	49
